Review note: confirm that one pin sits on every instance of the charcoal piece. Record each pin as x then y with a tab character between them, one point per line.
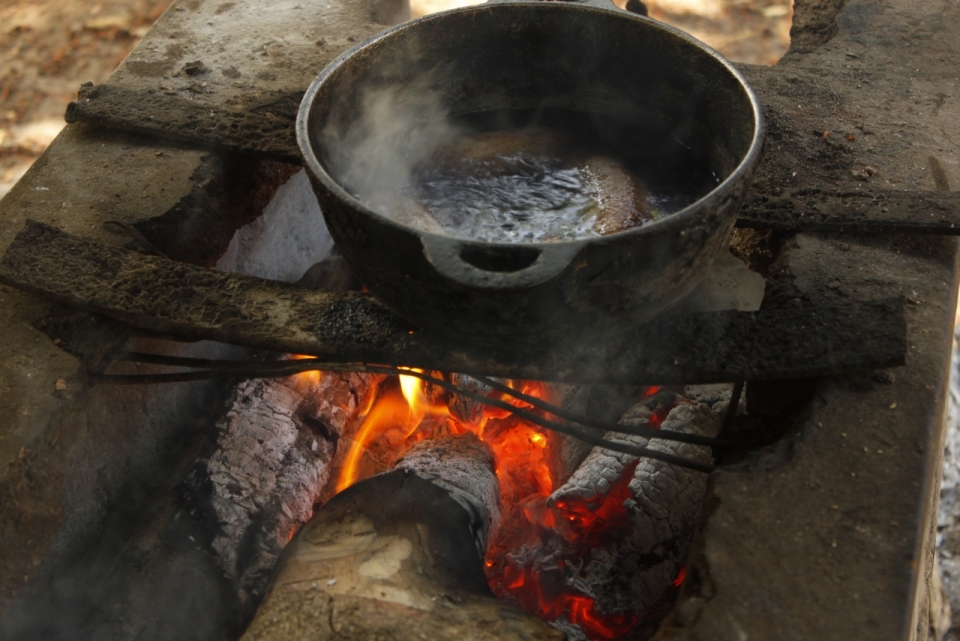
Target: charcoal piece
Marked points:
572	631
465	409
601	468
603	402
668	497
463	466
717	396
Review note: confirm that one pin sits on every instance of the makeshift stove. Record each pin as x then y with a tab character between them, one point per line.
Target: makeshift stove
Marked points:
591	539
150	511
600	553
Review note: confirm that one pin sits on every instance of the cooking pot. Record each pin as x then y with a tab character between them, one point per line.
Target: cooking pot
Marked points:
522	56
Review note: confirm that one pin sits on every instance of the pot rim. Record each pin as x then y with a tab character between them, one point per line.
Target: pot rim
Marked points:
731	182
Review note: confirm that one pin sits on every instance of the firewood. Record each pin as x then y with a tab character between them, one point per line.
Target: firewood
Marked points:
399	556
629	574
616	534
274	448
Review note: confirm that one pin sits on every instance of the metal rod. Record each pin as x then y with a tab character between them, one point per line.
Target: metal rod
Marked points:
304	365
610	426
236	368
732	407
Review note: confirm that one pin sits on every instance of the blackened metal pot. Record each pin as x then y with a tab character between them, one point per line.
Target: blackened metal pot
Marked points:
587	57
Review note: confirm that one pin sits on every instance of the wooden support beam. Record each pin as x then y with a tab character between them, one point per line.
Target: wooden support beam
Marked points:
162	295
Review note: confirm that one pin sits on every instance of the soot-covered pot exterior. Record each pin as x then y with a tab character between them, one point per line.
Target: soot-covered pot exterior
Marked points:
551	292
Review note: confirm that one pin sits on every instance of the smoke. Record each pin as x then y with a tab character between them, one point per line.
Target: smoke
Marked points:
399	128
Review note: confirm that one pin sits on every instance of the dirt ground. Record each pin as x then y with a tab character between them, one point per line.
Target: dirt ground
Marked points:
49	47
754	31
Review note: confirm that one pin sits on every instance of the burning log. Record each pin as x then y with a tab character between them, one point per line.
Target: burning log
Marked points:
399	556
616	533
274	448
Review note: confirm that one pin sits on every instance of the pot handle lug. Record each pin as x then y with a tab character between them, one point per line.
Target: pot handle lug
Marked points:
633	6
497	266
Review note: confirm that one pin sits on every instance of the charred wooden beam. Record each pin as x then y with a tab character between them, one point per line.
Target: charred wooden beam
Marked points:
868	211
399	556
822	199
158	294
263	130
815	174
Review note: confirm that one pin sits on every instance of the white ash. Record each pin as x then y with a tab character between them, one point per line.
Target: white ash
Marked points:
286	240
716	395
572	631
669	497
462	465
604	402
599	470
274	449
602	467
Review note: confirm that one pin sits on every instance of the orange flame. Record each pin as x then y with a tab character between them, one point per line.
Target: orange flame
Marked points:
309	378
411	386
408	409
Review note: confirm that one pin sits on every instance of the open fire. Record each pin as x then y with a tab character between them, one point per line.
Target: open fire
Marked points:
542	545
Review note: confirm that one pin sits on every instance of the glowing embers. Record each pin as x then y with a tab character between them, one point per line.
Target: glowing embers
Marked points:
541	544
560	536
407	410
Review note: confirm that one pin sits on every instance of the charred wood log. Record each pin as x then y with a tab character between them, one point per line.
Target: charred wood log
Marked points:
625	524
350	327
399	556
275	445
809	206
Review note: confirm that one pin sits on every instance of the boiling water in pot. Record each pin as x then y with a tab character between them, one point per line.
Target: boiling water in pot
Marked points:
546	177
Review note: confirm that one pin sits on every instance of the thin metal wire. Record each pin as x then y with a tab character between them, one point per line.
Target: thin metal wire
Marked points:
246	368
610	426
733	406
255	369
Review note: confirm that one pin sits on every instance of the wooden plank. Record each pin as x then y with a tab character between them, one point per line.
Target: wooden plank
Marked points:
159	294
868	211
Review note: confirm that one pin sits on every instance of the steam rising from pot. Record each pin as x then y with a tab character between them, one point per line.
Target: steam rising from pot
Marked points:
499	176
401	127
